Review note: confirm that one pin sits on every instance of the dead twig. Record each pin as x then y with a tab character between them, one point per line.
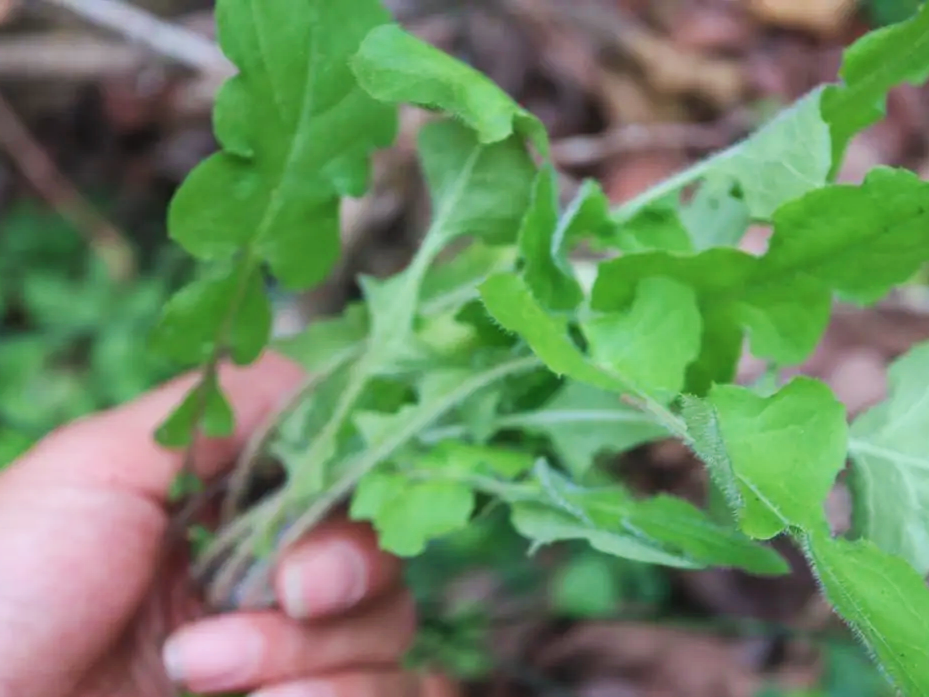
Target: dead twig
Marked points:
37	167
175	42
587	150
65	57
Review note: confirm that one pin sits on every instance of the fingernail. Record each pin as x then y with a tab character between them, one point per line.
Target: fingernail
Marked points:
307	688
210	657
322	580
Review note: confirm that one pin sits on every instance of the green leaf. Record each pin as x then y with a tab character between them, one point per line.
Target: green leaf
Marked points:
774	458
884	600
871	66
546	239
376	427
542	244
714	217
296	132
659	530
544	525
480	190
440	391
204	405
656	226
448	286
786	158
196	315
465	459
636	369
586	587
509	301
654	341
395	66
858	241
587	216
408	514
720	278
326	342
583	421
678	523
408	510
57	301
890	452
884	12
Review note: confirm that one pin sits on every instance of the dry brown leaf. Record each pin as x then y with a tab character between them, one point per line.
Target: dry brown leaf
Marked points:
624	99
654	660
674	70
824	18
720	29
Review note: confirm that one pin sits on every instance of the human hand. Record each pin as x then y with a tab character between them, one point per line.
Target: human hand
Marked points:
82	520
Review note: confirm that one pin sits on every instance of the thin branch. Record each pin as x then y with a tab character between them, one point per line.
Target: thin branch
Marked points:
68	57
37	167
586	150
178	43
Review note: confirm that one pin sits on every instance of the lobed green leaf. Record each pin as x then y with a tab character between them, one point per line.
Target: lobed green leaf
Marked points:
582	421
296	133
326	342
774	458
408	514
858	241
542	244
871	66
395	66
645	364
655	341
658	530
715	217
477	190
786	158
655	227
883	599
890	474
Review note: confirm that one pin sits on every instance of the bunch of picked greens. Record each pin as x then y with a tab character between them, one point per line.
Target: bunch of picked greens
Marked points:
500	376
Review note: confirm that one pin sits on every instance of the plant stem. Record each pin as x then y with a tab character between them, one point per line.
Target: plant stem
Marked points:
178	43
256	522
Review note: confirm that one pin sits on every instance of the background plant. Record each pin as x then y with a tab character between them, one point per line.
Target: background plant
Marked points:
74	340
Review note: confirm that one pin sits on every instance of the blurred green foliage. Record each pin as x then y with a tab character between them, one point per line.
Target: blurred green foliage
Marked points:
577	583
884	12
72	340
847	673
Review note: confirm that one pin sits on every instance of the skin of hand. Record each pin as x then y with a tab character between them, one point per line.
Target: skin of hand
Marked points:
82	520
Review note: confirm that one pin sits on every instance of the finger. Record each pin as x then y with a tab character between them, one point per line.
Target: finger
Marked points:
369	684
338	566
116	448
81	521
243	651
